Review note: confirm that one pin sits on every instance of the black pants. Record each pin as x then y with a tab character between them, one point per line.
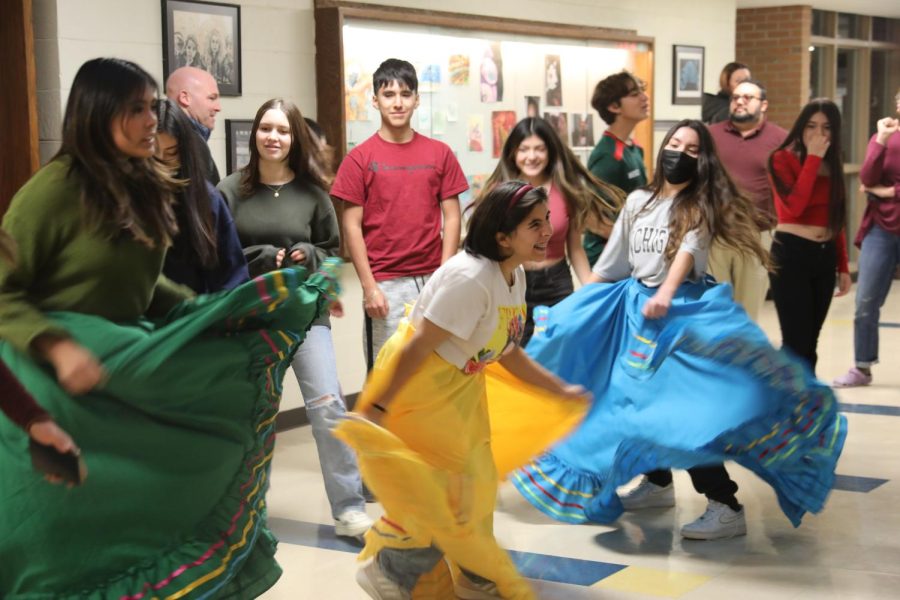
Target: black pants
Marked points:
712	481
802	286
545	287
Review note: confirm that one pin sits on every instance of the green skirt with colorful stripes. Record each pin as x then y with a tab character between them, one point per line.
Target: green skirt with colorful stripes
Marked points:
178	444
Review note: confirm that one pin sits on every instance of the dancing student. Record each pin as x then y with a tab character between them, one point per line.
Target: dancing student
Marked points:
810	249
428	391
534	153
16	403
879	241
206	254
171	399
284	216
671	345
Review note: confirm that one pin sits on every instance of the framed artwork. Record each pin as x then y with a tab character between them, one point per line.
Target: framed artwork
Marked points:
206	35
237	143
687	74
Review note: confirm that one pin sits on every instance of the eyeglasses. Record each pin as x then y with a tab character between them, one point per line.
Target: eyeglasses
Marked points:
744	97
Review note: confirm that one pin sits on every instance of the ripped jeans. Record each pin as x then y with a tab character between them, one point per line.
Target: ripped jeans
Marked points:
316	370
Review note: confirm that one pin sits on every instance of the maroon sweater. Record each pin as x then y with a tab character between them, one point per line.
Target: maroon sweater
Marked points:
881	167
17	403
747	160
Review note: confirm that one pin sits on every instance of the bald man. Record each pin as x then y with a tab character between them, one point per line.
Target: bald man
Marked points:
197	93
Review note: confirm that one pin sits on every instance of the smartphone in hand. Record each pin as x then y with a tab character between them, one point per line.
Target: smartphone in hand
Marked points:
67	466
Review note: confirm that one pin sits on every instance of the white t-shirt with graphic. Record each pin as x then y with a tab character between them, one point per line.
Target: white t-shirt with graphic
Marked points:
469	297
637	245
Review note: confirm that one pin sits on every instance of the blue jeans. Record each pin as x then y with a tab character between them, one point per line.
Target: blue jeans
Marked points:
404	567
316	370
878	259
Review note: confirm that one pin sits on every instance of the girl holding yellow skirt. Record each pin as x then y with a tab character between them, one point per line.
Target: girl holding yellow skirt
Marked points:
425	442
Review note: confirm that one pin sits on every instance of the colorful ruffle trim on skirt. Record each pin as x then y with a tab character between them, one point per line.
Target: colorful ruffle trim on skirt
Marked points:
178	445
701	386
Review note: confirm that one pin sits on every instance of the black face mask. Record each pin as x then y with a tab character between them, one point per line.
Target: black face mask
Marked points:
678	167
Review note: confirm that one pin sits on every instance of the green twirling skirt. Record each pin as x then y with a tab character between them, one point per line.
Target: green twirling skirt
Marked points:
178	445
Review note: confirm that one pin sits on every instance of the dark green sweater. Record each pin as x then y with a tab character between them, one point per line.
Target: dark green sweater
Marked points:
64	266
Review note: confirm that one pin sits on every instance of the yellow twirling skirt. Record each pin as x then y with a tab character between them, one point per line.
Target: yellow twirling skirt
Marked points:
432	468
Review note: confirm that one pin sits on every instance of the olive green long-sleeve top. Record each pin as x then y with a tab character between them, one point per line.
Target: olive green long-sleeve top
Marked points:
63	265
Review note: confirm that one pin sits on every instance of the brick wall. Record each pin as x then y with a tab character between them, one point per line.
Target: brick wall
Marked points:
774	42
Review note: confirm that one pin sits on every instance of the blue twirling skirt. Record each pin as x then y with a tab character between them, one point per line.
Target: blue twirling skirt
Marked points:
700	386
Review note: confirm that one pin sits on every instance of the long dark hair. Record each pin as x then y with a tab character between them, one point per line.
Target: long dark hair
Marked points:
494	215
833	159
584	194
193	211
303	153
118	192
711	201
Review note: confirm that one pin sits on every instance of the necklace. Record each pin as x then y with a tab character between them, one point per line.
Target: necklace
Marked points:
275	188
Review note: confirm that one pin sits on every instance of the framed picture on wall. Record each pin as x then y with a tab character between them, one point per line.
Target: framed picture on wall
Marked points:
687	74
206	35
237	143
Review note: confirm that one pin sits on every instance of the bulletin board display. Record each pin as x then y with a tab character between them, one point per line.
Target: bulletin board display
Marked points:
474	86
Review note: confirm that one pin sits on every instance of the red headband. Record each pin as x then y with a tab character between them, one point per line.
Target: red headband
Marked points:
518	195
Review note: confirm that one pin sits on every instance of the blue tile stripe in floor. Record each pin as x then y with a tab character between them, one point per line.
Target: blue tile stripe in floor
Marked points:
533	565
870	409
852	483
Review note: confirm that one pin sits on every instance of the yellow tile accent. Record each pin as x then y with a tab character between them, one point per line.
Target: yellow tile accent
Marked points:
653	582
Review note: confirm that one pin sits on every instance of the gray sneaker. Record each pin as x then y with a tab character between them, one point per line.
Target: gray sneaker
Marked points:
376	584
649	495
718	522
352	523
466	589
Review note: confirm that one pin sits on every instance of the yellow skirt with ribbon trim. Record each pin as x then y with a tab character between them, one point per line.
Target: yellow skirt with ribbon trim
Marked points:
431	464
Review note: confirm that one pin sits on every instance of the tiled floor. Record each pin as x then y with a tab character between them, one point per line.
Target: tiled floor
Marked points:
851	550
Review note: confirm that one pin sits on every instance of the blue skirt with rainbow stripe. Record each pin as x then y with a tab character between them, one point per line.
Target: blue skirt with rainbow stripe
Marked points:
701	386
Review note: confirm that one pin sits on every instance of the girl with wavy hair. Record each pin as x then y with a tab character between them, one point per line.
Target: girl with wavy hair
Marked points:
534	153
671	347
170	397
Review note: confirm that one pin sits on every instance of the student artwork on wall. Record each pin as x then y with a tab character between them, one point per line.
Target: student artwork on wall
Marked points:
487	82
492	74
459	69
357	92
205	35
476	133
560	122
532	106
502	122
582	130
237	142
687	74
552	80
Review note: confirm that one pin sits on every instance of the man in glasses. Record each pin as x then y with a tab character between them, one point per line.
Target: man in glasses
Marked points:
745	142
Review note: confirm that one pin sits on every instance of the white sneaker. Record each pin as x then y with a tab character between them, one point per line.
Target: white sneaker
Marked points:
649	495
466	589
352	523
376	584
719	521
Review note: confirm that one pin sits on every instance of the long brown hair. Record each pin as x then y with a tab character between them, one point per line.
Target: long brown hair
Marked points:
711	202
584	194
118	192
837	204
304	151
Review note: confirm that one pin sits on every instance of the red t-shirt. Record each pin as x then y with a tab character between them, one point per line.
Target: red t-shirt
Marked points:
809	197
400	187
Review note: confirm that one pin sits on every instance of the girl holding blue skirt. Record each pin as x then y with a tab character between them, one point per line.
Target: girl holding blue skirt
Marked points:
681	377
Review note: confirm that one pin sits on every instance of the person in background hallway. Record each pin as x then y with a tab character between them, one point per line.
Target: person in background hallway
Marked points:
206	254
622	102
197	93
401	205
284	217
534	153
716	106
879	242
744	144
809	251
